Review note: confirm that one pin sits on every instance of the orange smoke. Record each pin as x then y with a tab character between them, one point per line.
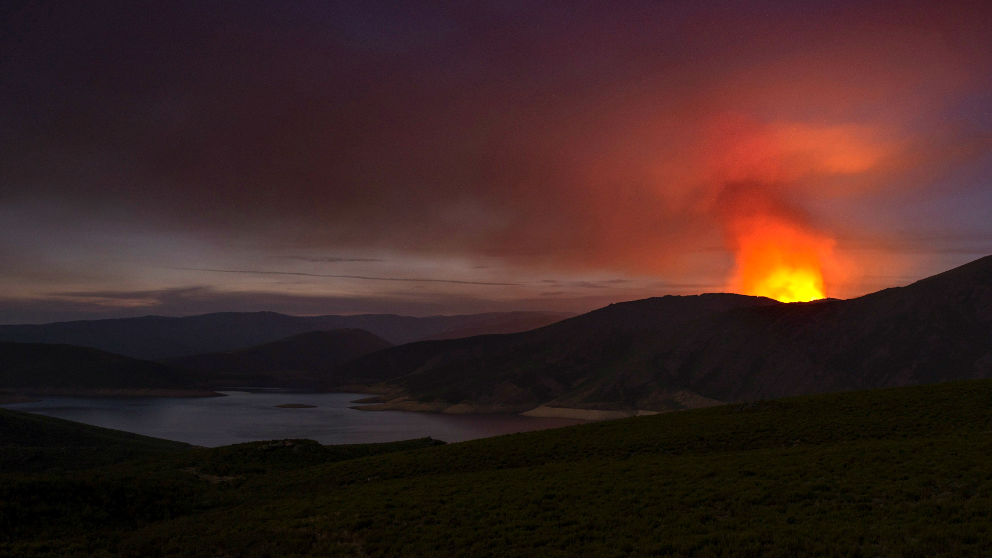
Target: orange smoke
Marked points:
778	259
765	172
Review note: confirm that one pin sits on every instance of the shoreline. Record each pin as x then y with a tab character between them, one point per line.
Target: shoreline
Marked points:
11	398
591	415
374	404
410	405
34	394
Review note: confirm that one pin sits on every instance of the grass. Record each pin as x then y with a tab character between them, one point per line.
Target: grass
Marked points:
35	443
895	472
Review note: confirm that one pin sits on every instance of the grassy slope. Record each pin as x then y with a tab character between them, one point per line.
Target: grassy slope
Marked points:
38	443
887	472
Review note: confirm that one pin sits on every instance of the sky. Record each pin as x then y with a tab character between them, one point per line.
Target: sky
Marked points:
428	158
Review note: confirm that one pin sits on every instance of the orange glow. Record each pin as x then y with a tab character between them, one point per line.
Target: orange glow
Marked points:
778	259
788	152
762	171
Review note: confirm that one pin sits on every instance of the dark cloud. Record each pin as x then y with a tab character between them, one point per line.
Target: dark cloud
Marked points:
331	259
342	276
525	133
597	284
539	138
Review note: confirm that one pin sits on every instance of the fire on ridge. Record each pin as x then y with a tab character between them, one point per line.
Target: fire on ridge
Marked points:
778	259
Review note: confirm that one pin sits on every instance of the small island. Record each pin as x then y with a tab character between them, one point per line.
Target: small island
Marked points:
295	406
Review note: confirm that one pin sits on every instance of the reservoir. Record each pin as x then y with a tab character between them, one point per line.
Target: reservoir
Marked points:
244	416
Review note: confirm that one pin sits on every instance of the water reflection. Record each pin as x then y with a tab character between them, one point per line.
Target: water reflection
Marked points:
246	416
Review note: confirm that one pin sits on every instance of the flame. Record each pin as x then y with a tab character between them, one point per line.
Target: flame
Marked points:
779	259
762	171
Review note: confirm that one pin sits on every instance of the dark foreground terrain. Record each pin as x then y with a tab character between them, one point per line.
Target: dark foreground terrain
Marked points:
893	472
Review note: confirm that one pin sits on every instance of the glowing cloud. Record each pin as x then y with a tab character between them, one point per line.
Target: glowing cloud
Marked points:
778	252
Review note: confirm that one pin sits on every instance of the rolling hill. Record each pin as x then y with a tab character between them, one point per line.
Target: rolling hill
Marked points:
35	444
159	337
669	353
40	368
302	361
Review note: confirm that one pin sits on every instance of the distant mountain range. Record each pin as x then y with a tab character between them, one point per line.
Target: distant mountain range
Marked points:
158	337
674	352
651	355
301	361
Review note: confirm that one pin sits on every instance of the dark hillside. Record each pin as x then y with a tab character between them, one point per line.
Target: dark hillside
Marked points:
36	443
305	360
64	369
937	329
520	371
676	352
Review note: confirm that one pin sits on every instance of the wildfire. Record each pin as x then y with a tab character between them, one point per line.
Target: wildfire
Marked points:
761	173
778	259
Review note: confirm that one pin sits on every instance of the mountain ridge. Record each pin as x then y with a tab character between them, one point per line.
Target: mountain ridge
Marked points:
299	361
57	369
162	337
668	353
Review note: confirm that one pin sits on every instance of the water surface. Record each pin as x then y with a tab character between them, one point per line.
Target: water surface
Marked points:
249	416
